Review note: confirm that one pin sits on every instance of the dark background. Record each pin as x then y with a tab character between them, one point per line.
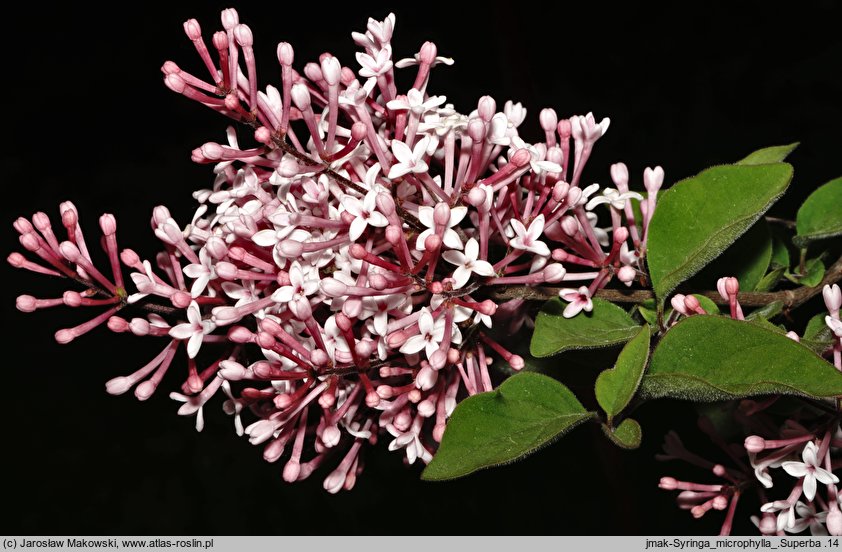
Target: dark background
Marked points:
87	118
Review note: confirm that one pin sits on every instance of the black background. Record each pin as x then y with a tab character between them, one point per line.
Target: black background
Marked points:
86	117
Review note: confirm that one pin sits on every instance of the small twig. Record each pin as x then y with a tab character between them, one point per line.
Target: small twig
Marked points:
790	298
786	223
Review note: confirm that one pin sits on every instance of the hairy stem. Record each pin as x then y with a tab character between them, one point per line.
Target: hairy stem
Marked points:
790	298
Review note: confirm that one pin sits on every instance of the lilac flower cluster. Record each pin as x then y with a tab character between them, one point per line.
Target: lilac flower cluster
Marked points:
337	276
805	448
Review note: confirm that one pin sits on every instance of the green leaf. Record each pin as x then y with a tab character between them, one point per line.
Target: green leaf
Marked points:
605	326
773	154
616	387
747	259
767	311
813	274
527	412
817	328
647	312
820	216
768	282
698	218
817	336
712	358
817	343
627	435
780	254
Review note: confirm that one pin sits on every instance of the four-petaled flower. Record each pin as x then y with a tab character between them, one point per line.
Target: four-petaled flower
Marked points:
201	273
466	263
809	518
409	160
296	294
194	330
415	102
614	198
579	299
430	336
365	212
527	239
374	66
810	470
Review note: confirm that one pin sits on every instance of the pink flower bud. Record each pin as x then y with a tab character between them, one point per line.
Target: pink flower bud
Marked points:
626	274
832	295
677	303
286	54
108	224
653	179
175	83
139	327
192	29
319	357
428	53
548	119
243	35
333	287
691	303
432	242
313	72
180	299
262	134
226	271
22	225
72	298
273	450
230	19
232	371
428	375
668	483
385	203
69	251
621	234
565	129
291	248
331	70
129	257
118	385
834	521
476	197
117	324
516	362
755	444
26	303
441	214
220	40
554	273
216	247
486	107
521	158
301	96
620	175
476	130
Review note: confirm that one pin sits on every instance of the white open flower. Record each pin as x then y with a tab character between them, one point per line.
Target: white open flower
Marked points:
467	263
527	238
194	330
365	213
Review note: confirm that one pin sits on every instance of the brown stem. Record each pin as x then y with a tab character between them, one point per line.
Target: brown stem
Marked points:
790	298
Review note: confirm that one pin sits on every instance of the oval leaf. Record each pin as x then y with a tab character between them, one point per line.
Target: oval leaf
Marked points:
627	435
821	214
773	154
747	259
605	326
813	274
712	358
527	412
616	387
698	218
